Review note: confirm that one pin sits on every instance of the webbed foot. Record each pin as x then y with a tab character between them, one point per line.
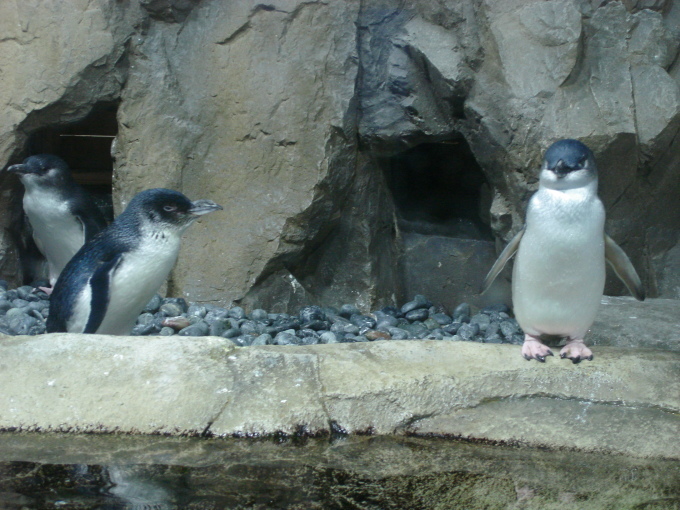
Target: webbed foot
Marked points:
576	351
533	348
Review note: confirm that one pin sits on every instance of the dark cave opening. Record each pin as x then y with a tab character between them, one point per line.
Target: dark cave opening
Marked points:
86	148
438	189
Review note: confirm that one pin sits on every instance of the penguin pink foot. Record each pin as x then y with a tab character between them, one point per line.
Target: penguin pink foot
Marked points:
576	351
533	348
47	290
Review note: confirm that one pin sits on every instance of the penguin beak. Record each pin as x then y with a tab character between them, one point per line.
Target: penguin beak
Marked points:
18	169
201	207
561	169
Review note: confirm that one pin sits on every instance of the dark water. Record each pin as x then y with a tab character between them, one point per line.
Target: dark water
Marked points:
49	471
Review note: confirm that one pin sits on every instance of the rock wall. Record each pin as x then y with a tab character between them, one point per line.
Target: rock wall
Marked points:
281	111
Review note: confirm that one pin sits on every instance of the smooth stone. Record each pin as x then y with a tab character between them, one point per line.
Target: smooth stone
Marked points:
171	309
166	331
4	306
493	339
216	314
386	321
441	318
492	329
181	302
199	329
263	339
14	312
328	337
304	332
309	340
236	312
250	327
362	321
419	314
231	333
146	318
21	324
176	323
398	333
20	303
482	320
348	310
419	301
259	315
197	311
468	331
154	304
431	324
311	313
286	338
460	311
25	291
377	335
243	340
500	307
393	311
452	328
509	328
144	329
218	327
317	325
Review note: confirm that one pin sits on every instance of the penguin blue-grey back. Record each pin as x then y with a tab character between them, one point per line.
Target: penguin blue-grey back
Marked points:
559	272
109	281
62	214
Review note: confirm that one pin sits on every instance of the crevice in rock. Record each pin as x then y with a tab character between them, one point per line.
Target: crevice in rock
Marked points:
438	190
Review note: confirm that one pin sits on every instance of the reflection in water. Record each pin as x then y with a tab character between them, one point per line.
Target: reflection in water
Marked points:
136	491
61	472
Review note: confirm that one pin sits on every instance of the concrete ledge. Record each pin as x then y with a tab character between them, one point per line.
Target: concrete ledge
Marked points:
626	400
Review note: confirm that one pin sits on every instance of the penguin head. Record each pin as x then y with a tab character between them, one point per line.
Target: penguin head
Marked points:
42	170
167	209
568	164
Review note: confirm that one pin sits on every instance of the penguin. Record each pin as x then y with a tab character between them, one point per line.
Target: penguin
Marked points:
559	271
108	282
62	214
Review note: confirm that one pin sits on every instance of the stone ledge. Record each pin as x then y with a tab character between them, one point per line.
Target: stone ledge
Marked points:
625	400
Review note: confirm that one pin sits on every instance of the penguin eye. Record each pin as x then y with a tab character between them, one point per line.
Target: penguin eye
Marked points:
169	208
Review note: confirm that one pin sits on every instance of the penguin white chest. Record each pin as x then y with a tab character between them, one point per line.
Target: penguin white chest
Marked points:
137	278
559	271
57	232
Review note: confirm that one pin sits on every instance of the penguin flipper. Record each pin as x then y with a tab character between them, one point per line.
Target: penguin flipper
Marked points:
507	253
92	222
100	285
623	268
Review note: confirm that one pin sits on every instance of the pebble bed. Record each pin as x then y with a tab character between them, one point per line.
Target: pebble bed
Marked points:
23	312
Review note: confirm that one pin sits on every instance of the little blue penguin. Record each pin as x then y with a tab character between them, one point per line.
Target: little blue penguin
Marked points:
62	214
559	272
108	282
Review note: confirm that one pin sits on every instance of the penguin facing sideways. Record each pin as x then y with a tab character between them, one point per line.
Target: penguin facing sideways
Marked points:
108	282
62	214
559	271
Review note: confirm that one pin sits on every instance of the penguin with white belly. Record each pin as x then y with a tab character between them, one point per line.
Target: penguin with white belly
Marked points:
62	214
559	271
108	282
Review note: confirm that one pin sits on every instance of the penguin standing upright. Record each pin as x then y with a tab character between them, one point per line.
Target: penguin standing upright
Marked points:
559	272
62	214
108	282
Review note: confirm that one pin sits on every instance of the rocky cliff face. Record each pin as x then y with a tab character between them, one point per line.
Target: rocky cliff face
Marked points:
302	118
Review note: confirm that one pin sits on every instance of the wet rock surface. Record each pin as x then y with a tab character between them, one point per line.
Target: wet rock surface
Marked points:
75	471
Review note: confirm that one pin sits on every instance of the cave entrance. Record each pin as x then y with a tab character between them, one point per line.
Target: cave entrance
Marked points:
438	189
442	202
86	148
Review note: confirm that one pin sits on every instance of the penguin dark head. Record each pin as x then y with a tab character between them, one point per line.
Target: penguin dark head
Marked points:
42	170
568	164
167	208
